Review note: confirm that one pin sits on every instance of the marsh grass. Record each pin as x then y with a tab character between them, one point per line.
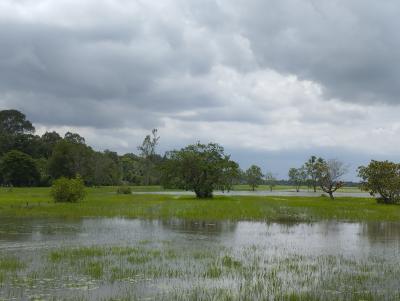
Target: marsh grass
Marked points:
103	202
11	264
219	273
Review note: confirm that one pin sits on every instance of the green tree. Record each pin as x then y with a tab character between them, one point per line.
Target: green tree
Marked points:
14	122
201	168
74	138
19	169
297	176
70	159
254	176
270	180
382	178
312	167
148	155
13	128
48	142
131	172
106	169
329	176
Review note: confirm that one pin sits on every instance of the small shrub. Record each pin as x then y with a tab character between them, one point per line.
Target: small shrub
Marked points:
124	190
68	190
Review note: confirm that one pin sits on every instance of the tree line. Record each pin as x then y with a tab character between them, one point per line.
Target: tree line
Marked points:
27	159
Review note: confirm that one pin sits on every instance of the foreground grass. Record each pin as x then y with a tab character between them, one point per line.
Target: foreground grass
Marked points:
218	273
103	202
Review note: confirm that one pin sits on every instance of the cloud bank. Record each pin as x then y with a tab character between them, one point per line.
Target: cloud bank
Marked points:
271	78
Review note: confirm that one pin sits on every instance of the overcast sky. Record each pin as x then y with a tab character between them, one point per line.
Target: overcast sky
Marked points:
272	81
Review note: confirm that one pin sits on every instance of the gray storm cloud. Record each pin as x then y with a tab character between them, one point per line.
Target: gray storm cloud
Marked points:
289	73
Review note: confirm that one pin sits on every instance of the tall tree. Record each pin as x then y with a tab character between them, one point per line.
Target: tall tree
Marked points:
297	176
70	159
270	180
131	169
254	176
312	166
148	154
329	176
201	168
13	128
48	141
19	169
14	122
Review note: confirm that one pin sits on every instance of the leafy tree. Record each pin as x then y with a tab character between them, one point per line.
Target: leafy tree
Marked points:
13	122
13	129
382	178
147	154
70	159
131	172
74	138
329	176
48	142
254	176
106	169
270	180
312	167
19	169
201	168
297	176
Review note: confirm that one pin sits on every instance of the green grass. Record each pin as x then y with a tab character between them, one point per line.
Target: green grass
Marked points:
249	273
104	202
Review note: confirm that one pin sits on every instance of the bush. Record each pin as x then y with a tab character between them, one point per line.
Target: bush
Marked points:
68	190
124	190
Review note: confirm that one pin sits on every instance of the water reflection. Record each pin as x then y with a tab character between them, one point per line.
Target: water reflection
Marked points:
153	255
323	237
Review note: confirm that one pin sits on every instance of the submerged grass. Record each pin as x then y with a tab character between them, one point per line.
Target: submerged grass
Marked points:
222	274
104	202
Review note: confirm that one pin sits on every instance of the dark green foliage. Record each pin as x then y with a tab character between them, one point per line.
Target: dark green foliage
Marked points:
14	122
312	167
148	157
130	166
106	169
254	176
48	141
382	178
200	168
68	190
70	159
66	157
19	169
124	190
297	176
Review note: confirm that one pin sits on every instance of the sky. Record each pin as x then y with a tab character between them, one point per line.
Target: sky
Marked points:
272	81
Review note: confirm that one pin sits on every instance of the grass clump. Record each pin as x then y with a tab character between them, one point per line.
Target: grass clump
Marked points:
11	264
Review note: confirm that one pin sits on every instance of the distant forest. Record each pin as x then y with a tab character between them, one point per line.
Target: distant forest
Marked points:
32	160
27	159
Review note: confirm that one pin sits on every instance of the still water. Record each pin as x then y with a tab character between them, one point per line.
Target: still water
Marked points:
125	259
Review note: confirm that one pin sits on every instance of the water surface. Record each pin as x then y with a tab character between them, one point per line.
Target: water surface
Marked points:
107	258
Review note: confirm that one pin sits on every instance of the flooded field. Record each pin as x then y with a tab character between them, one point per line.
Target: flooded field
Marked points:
128	259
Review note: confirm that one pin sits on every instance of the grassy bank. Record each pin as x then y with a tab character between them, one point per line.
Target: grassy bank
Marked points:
103	202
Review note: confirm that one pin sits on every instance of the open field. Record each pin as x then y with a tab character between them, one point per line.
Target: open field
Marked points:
104	202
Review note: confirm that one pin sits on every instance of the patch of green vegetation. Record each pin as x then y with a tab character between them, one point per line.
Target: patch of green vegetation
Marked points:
10	264
104	202
95	270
